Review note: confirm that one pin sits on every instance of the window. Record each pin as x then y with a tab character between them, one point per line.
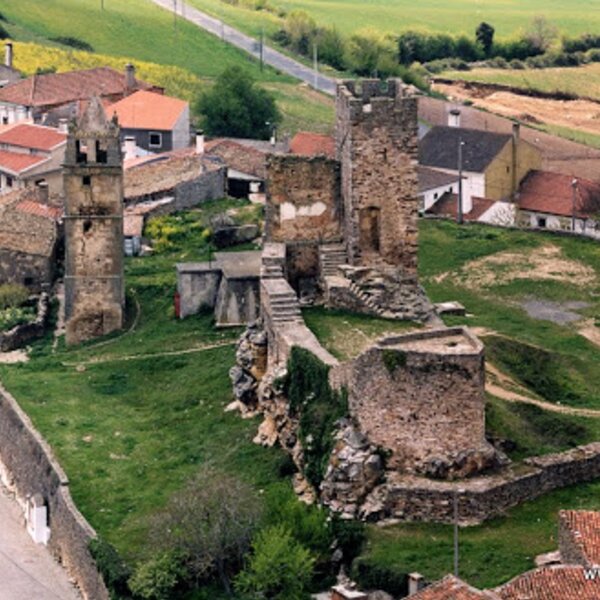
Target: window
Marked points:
101	152
87	225
86	180
81	152
435	196
9	181
541	222
508	169
4	120
155	140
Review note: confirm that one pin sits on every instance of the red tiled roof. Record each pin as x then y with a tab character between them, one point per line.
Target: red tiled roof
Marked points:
37	137
447	206
583	527
16	162
54	89
311	144
31	207
551	583
452	588
552	193
148	110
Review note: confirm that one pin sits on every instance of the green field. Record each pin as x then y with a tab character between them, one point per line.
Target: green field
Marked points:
137	30
394	16
577	81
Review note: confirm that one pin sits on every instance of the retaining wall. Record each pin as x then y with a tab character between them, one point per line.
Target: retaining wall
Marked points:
30	468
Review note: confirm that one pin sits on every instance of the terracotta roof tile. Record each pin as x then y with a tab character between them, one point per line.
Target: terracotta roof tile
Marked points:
37	137
16	162
54	89
552	583
552	193
148	110
32	207
312	144
238	156
583	529
447	206
452	588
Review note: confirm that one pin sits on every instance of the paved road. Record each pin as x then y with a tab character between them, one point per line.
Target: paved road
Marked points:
27	571
248	44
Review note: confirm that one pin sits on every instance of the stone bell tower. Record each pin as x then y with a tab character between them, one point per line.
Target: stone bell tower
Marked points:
93	184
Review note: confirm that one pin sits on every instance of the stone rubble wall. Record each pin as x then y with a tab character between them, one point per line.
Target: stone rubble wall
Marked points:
20	335
30	468
419	499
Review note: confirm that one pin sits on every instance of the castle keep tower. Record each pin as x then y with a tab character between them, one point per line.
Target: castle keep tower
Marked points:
93	183
377	146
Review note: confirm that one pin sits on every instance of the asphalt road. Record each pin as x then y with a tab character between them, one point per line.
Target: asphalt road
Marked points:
27	570
248	44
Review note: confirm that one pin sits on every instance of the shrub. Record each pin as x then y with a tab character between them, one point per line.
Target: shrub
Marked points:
3	33
318	406
350	537
593	55
372	576
157	578
73	42
280	568
12	295
114	571
516	64
332	47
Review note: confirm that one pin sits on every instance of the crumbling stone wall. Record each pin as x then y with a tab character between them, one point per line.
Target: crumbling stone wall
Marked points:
31	270
421	397
30	468
377	146
303	202
22	334
211	185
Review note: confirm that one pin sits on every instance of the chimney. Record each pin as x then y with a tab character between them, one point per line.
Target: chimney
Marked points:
130	82
63	125
454	118
8	54
43	192
130	148
516	138
416	582
200	142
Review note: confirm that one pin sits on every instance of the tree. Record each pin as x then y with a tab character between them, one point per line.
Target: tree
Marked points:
485	37
236	107
541	34
280	568
209	524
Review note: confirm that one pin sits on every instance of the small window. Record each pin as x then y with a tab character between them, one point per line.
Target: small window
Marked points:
155	140
4	120
87	225
101	152
541	222
435	196
28	281
508	169
86	180
81	151
9	181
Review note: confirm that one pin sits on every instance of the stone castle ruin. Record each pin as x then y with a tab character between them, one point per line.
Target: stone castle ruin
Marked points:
93	187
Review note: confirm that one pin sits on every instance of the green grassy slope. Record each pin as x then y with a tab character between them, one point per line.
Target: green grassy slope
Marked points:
394	16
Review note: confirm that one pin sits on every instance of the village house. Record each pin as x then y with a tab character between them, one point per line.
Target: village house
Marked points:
559	202
31	155
8	74
39	96
30	233
307	143
155	122
493	164
433	184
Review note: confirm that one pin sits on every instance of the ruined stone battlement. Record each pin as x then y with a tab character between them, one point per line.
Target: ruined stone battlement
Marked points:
370	96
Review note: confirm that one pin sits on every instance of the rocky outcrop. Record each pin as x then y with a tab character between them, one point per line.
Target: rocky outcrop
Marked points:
465	464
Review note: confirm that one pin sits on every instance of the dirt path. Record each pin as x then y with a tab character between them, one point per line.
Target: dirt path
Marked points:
128	357
502	386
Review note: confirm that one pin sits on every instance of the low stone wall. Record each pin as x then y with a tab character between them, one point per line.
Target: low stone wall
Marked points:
209	186
30	468
20	335
481	498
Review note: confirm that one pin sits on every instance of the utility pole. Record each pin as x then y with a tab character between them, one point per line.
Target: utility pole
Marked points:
455	533
316	65
459	209
574	185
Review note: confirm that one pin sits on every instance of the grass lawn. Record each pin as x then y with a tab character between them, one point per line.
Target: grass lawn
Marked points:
184	61
394	16
579	81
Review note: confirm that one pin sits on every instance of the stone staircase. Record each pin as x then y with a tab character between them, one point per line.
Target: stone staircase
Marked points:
331	257
283	302
271	271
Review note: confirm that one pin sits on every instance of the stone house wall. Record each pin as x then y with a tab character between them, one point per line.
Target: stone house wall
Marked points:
377	146
30	468
209	186
30	270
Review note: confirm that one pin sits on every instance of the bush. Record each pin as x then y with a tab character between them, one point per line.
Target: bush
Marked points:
593	55
318	406
4	35
157	578
114	571
332	48
516	64
372	576
236	107
73	42
12	295
350	537
280	568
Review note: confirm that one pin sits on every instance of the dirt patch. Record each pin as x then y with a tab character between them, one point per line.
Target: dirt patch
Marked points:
561	313
589	330
583	115
546	263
